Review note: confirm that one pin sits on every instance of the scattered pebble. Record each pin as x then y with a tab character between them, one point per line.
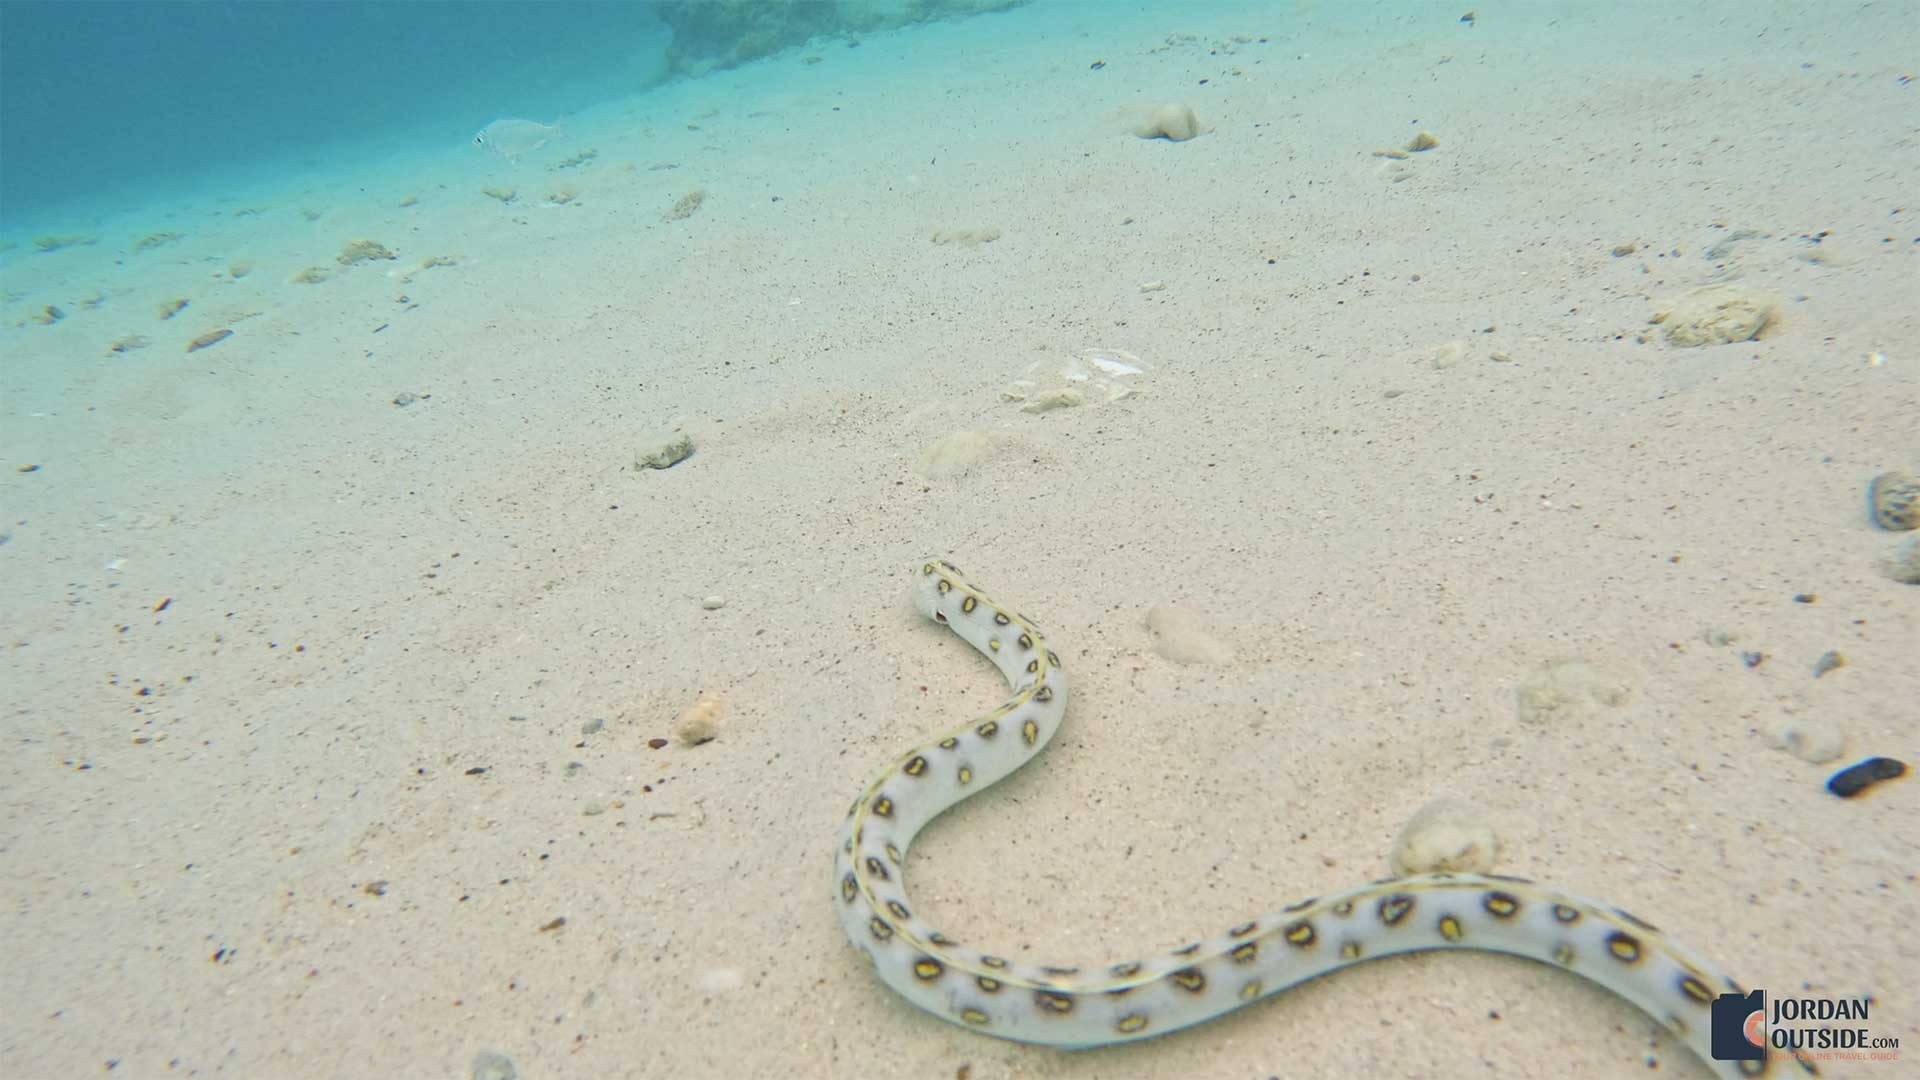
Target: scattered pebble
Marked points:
1904	564
488	1065
714	603
670	450
657	744
211	337
1425	140
1895	501
966	237
1181	634
1446	836
1717	315
687	206
1856	779
1175	123
1153	286
1812	740
700	723
405	398
593	726
359	251
1829	661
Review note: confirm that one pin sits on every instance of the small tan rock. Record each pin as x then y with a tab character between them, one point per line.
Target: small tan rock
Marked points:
1446	836
1895	500
700	723
359	251
1903	565
1175	123
211	337
1718	315
664	451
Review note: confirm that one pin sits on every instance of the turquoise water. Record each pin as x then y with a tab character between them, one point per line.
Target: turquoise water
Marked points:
114	103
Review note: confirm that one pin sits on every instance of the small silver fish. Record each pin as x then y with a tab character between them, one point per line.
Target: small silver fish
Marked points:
511	137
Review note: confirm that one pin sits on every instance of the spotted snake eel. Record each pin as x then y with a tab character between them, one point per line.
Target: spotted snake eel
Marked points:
1079	1008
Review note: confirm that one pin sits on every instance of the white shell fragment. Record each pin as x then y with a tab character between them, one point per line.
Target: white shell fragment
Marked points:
1089	377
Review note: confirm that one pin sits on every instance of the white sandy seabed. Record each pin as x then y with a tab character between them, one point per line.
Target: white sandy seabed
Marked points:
342	733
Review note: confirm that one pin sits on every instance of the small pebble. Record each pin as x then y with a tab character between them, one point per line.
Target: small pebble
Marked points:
1903	565
714	603
700	723
657	744
1894	498
405	398
212	337
1831	660
593	726
664	451
1445	836
1855	779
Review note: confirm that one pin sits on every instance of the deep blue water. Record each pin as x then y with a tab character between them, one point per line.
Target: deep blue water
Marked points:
103	104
